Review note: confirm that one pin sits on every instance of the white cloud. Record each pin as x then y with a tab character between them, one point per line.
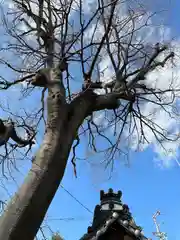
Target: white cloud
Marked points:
162	79
89	5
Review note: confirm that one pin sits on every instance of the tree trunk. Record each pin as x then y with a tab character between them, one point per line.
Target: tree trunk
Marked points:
26	211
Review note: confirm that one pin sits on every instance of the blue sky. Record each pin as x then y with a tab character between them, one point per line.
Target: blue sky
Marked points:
146	186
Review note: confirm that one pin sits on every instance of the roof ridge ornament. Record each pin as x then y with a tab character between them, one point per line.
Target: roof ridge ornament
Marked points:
110	194
113	214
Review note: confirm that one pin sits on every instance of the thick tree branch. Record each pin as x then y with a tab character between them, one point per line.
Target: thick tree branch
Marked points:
111	100
6	84
7	131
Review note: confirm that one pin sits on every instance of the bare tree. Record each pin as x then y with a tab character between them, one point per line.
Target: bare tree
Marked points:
45	38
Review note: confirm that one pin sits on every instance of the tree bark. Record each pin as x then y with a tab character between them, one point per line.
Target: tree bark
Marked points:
27	209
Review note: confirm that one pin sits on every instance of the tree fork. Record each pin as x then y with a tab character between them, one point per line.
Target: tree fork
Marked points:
25	212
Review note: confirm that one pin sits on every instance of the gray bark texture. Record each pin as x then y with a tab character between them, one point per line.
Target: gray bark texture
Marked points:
26	211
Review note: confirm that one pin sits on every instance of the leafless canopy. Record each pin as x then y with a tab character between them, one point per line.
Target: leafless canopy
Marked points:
91	59
42	33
